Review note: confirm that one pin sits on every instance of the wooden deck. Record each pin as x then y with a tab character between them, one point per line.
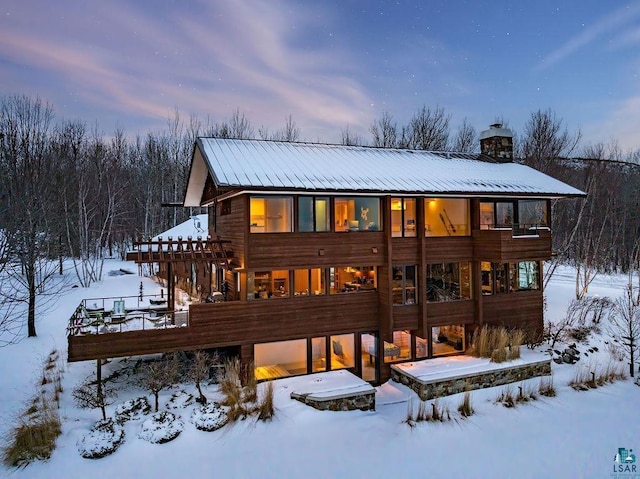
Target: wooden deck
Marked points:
236	323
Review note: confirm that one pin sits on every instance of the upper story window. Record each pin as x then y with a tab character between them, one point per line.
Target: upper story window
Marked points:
448	281
523	216
352	279
403	217
404	285
271	214
313	213
500	278
360	213
446	217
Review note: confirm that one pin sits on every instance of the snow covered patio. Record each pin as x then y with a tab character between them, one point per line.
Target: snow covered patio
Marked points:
439	377
332	391
430	378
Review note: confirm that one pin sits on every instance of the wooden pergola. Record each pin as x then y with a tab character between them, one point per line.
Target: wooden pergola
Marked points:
188	251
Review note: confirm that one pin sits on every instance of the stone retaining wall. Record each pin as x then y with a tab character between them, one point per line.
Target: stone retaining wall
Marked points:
437	388
364	401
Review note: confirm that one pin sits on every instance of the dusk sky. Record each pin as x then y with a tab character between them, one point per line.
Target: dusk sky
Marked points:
329	63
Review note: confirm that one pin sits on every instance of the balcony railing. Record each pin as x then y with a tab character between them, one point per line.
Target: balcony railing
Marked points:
124	313
517	229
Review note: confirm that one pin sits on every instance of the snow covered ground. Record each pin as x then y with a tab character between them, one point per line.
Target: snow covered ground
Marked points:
575	434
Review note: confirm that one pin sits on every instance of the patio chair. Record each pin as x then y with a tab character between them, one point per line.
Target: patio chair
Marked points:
118	314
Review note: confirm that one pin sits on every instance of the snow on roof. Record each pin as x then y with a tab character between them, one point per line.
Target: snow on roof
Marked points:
246	164
197	225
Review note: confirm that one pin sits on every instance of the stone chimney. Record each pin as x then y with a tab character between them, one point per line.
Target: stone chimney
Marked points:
497	142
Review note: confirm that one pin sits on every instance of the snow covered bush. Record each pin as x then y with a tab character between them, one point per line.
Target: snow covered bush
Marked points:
132	409
103	439
161	427
209	417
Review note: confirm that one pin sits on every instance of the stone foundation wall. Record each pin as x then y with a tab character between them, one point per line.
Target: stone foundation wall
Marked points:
362	401
488	379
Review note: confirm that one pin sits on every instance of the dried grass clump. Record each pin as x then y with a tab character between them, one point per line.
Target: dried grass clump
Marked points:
36	430
497	343
465	408
33	439
506	397
516	339
266	409
546	387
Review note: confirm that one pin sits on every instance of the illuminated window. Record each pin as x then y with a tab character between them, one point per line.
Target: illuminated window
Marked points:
268	284
403	217
309	282
361	213
270	214
313	214
352	279
399	349
448	281
342	351
447	339
446	217
280	359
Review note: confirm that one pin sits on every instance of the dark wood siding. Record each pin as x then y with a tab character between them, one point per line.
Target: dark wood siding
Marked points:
232	226
237	323
306	250
450	312
522	310
448	249
500	246
406	317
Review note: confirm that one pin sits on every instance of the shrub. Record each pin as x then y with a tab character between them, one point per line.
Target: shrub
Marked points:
103	439
132	409
161	427
209	417
500	343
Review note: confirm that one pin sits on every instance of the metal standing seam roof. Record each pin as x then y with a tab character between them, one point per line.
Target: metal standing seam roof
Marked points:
263	164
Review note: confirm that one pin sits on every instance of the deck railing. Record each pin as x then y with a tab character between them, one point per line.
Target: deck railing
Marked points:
124	313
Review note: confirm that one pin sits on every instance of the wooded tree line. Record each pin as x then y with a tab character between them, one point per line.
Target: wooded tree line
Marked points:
70	190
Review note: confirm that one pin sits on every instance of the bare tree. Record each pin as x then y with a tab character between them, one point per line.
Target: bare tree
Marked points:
624	325
428	130
465	139
384	132
26	205
290	132
348	137
546	139
97	396
199	372
160	375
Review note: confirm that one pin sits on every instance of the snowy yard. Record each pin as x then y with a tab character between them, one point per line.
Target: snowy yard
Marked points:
575	434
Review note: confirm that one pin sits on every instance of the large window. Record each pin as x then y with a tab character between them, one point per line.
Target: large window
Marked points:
313	214
352	279
343	351
404	285
447	339
500	278
270	214
523	216
448	281
403	217
268	284
280	359
309	282
360	213
446	217
532	214
399	349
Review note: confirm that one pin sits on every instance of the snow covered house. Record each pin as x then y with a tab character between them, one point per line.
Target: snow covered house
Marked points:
359	257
